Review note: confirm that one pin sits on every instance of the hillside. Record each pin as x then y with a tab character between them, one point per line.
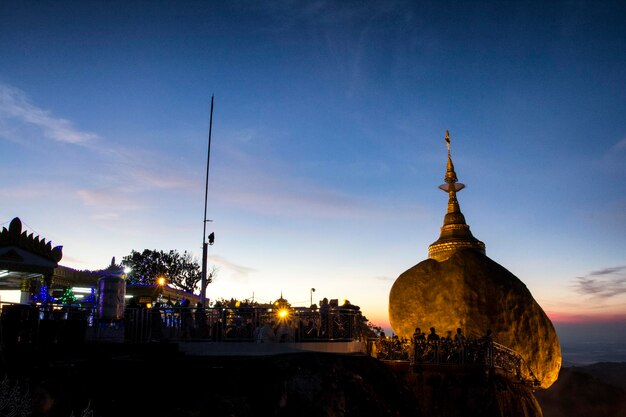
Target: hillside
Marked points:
590	391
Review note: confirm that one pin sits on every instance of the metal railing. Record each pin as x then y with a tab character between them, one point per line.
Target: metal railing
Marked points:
54	324
244	324
482	353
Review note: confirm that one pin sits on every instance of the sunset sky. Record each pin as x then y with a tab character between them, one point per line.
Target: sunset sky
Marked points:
327	139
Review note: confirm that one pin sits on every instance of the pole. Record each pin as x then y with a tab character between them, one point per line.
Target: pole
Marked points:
203	283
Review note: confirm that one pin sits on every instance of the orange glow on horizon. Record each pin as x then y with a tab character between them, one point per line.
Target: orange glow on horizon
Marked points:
560	317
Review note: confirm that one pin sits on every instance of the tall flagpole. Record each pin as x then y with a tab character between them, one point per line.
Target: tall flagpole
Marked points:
203	282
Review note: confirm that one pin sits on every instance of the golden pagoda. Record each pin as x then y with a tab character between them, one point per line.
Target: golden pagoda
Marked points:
458	286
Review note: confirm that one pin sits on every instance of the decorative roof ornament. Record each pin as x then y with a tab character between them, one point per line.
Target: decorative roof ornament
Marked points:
455	233
16	237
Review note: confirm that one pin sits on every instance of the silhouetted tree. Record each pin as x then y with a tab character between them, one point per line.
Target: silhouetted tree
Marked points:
181	271
369	329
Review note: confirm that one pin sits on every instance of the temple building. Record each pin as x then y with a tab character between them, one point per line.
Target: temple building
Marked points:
27	262
459	286
30	272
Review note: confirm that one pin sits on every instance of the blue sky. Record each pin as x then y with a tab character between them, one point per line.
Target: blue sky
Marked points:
327	139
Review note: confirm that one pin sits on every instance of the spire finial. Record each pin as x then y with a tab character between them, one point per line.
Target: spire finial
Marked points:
455	232
452	185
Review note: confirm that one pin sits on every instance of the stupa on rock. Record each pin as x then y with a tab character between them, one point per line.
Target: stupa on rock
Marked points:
458	286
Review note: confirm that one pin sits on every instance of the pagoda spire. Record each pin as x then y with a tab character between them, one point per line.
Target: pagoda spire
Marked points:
455	233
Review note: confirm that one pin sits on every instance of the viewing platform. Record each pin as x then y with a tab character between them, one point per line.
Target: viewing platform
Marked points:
245	331
472	354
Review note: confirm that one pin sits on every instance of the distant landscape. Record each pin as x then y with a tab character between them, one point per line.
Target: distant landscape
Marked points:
587	353
589	343
597	390
592	381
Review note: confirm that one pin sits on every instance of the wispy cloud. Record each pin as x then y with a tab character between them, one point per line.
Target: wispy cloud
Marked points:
106	198
608	271
27	191
613	159
264	184
239	271
149	178
604	283
619	146
385	279
125	171
17	109
318	203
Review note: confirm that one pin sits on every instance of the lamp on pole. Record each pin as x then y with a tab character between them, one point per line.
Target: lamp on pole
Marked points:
312	291
161	281
203	279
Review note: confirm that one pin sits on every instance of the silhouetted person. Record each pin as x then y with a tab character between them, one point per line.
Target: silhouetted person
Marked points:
418	335
433	345
487	338
284	332
487	348
249	329
256	333
446	350
459	337
217	330
347	317
324	308
310	330
202	327
433	335
419	338
132	320
266	333
186	321
156	322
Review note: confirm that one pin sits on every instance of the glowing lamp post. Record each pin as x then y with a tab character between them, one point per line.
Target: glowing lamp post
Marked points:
161	281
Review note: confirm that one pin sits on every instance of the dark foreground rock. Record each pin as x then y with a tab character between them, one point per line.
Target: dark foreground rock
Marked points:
160	382
155	380
457	391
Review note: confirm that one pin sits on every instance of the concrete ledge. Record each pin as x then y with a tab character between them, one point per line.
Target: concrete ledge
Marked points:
266	349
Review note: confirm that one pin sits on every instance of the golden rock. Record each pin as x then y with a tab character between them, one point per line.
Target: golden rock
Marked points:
460	287
472	292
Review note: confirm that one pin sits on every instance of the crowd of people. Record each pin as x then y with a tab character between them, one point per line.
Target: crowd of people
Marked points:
433	348
259	324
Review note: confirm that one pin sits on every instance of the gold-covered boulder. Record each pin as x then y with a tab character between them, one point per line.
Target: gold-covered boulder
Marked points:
472	292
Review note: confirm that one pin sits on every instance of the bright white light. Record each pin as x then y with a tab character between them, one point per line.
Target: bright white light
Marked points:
81	290
10	296
127	270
